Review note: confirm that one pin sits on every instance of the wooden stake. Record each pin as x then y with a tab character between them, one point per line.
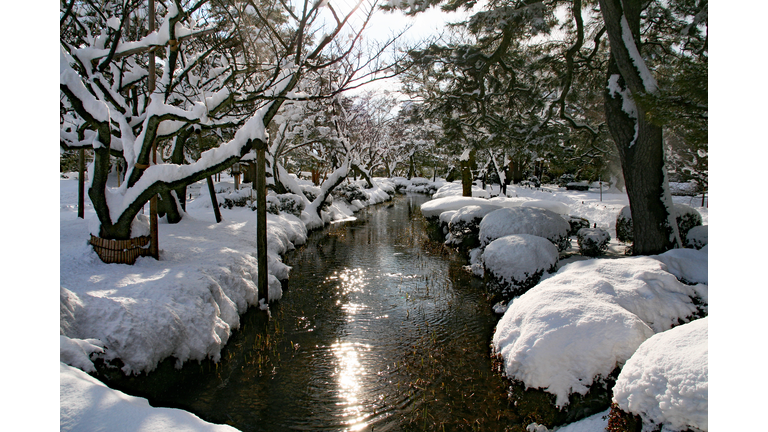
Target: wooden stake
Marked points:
214	202
261	222
81	186
154	247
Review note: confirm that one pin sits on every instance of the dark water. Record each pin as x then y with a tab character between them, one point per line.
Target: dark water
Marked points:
379	328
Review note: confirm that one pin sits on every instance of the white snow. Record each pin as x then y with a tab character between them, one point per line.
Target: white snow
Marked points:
522	220
456	189
587	319
88	405
517	257
667	381
144	313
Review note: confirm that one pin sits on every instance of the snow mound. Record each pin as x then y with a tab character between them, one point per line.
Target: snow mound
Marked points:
688	265
76	352
87	404
456	189
666	380
519	260
586	320
524	220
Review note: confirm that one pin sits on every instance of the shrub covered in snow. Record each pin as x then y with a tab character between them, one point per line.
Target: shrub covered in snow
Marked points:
624	229
666	382
697	237
576	224
686	216
515	263
464	225
433	208
350	192
577	186
524	220
690	188
593	241
588	319
235	198
287	203
565	179
445	219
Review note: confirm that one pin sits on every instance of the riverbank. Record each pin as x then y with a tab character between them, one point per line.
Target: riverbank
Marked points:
186	305
183	306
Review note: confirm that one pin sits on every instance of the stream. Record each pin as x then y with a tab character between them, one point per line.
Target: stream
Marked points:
379	328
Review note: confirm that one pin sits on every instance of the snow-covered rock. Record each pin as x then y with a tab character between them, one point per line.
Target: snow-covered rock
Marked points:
524	220
666	381
517	262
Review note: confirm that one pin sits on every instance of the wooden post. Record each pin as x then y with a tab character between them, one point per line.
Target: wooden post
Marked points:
154	247
261	222
214	202
81	186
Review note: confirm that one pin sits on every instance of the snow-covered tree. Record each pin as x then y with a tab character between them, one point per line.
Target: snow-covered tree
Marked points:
568	69
224	68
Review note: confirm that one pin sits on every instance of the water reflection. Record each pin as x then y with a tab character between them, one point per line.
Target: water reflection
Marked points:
378	329
350	378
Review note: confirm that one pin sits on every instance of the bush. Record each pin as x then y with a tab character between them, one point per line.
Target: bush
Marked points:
515	263
687	217
238	198
464	225
697	237
593	242
350	192
576	224
624	230
525	220
577	186
565	179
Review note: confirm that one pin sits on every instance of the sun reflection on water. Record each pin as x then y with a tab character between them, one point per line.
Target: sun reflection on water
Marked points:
350	376
350	372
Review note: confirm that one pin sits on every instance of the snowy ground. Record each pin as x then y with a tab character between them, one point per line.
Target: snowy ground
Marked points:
220	289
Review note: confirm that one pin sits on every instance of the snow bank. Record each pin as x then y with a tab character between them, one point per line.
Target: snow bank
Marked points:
456	189
666	380
586	320
86	404
688	265
184	305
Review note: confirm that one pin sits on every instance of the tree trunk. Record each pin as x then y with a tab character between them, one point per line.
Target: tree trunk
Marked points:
466	174
261	223
639	142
